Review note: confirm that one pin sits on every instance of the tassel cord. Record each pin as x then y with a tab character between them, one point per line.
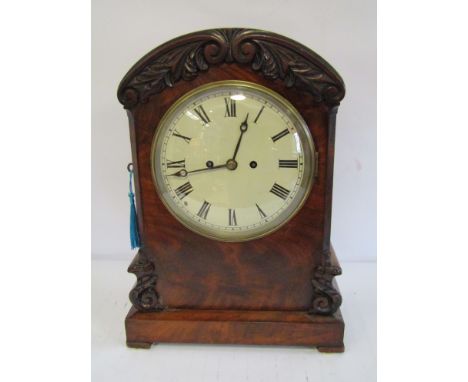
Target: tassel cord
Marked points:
134	234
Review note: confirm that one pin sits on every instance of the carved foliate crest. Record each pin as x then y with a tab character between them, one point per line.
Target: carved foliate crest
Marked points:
274	56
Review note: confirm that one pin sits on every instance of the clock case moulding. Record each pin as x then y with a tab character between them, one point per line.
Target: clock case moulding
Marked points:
278	289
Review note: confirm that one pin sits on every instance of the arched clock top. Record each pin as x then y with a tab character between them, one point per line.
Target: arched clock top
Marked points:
272	55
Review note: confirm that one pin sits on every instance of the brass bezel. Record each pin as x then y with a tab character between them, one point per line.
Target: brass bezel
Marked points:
293	113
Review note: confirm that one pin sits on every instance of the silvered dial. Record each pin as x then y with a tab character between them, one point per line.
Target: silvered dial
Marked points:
233	160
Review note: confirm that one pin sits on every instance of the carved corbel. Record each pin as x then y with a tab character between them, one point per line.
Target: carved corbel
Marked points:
144	296
326	298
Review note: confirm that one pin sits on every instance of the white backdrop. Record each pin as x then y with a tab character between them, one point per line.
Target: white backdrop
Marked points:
343	32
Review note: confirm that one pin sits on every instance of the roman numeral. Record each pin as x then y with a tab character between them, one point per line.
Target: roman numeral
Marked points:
287	163
260	211
230	107
232	217
280	191
175	164
204	209
258	115
183	190
280	135
179	135
202	114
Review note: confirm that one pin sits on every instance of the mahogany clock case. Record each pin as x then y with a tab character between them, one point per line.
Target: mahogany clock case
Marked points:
278	289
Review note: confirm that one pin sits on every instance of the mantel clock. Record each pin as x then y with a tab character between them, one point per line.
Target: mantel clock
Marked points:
232	135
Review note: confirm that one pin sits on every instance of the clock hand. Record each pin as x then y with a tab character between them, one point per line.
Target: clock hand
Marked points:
231	164
243	128
183	173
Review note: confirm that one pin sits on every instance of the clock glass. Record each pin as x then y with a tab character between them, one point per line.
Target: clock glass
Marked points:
232	160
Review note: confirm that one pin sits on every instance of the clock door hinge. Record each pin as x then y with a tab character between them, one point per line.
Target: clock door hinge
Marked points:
316	161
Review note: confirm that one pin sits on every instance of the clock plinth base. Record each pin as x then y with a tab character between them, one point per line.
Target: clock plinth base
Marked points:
235	327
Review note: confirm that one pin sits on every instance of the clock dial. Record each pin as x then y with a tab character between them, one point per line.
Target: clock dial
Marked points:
233	160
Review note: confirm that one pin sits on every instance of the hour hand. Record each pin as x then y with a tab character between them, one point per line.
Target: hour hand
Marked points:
243	128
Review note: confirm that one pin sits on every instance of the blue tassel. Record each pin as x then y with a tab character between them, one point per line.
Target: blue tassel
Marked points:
134	234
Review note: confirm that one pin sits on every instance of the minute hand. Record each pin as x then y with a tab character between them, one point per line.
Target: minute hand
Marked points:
184	173
243	128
